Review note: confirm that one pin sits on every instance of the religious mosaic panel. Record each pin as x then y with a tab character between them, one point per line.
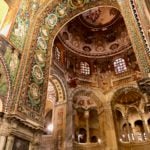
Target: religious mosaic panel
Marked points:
21	25
3	81
11	56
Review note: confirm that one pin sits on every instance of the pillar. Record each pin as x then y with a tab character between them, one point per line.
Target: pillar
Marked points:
144	124
128	128
9	143
133	132
86	115
2	142
69	126
109	128
31	146
4	129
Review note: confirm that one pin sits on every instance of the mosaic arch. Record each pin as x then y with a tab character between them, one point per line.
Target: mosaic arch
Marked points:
37	49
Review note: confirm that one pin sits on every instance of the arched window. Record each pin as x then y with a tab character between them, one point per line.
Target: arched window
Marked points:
120	65
57	54
85	68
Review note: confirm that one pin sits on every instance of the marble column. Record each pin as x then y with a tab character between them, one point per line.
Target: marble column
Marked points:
75	125
133	132
128	128
4	129
144	124
9	143
2	142
69	126
109	128
31	146
86	115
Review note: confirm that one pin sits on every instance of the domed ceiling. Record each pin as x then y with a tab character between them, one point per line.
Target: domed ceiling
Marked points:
128	96
99	32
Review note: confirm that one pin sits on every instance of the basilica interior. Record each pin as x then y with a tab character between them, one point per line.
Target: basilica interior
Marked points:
74	75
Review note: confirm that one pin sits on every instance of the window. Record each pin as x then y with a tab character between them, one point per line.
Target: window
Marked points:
84	68
120	65
57	54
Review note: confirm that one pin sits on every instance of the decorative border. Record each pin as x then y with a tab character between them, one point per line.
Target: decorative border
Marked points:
135	12
6	102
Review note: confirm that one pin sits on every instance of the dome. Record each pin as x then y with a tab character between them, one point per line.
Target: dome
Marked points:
99	32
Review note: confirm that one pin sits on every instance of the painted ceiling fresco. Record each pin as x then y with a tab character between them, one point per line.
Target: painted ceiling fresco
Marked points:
22	23
99	32
100	16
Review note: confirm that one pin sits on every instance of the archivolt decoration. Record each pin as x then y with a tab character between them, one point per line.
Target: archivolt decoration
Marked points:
137	17
59	89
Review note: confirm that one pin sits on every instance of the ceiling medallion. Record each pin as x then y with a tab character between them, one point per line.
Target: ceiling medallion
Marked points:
44	32
37	74
61	10
34	92
40	58
51	20
42	43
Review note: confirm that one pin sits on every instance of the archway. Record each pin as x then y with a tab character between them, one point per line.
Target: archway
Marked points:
87	115
128	103
37	44
54	19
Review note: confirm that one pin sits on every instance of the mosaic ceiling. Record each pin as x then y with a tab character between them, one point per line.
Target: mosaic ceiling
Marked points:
99	32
